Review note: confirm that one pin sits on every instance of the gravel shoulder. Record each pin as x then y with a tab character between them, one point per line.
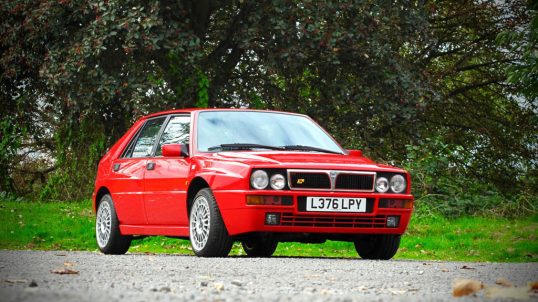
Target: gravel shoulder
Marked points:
28	276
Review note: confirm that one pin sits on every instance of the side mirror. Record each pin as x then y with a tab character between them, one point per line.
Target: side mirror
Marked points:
355	153
175	150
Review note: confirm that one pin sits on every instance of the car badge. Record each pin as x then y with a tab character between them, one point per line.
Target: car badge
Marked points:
332	174
300	181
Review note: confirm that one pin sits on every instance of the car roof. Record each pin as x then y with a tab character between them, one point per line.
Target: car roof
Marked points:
189	110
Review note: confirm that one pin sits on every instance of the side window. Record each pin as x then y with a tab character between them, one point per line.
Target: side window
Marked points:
176	132
146	139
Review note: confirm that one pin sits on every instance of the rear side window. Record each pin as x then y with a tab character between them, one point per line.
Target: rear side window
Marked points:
143	146
176	132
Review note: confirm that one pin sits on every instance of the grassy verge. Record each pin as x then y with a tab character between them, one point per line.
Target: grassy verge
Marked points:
69	226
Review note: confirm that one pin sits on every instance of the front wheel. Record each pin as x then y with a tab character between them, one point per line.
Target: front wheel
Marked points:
379	247
208	234
259	247
107	229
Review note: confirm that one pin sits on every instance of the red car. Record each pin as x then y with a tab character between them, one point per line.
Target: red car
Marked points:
259	177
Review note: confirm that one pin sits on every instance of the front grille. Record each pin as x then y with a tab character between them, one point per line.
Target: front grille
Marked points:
354	181
331	180
289	219
310	180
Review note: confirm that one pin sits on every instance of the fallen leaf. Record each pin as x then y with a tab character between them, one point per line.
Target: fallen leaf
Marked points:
507	292
60	255
533	285
64	271
504	282
444	270
218	286
467	267
466	287
15	280
68	264
204	277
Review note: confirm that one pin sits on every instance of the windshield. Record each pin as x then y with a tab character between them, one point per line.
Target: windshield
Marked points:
257	129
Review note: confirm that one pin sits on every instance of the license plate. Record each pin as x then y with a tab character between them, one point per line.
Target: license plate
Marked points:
336	204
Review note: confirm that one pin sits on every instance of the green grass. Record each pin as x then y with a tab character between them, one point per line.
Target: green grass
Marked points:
69	226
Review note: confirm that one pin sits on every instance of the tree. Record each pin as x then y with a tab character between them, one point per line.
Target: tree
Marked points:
381	75
475	107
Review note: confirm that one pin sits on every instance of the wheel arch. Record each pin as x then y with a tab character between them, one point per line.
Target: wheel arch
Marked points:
196	185
100	193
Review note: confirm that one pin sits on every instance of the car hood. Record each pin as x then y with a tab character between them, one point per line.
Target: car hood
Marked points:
300	160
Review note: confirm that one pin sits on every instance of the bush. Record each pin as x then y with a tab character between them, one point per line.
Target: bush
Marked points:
442	187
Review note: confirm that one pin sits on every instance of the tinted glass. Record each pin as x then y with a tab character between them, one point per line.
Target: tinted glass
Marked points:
145	141
264	128
176	132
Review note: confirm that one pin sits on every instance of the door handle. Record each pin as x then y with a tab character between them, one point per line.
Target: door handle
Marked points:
150	166
116	167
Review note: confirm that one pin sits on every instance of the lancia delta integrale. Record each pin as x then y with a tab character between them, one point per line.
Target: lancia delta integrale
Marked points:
217	176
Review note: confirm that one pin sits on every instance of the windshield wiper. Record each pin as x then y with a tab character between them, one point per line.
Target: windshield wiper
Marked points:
243	146
308	148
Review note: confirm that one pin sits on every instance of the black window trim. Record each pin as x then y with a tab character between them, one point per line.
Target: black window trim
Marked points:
165	124
139	131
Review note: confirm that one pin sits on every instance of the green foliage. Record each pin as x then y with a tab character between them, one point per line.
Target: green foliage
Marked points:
10	142
66	184
477	110
10	197
70	226
440	188
203	93
524	72
379	75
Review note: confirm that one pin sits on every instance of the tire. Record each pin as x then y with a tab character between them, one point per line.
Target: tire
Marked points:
207	232
378	247
107	229
259	247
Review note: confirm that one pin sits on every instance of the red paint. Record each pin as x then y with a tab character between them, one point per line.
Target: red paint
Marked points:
171	150
164	187
154	201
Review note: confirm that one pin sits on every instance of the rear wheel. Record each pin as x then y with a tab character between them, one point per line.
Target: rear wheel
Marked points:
259	247
107	229
208	234
381	247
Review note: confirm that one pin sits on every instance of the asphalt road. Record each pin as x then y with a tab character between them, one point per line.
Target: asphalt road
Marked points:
29	276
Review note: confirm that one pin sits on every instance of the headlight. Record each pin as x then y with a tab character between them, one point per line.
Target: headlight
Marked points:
278	181
398	183
382	184
259	180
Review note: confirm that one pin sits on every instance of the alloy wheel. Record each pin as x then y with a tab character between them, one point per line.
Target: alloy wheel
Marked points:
103	224
200	223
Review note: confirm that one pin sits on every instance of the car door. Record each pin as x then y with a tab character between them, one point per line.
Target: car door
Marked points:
166	178
128	171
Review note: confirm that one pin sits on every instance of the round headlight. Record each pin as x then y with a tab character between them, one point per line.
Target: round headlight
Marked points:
398	183
259	179
278	182
382	184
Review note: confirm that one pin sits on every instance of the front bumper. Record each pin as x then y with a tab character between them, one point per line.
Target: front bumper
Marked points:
241	218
